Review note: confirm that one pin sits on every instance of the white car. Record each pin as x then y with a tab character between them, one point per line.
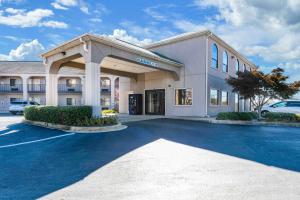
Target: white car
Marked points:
282	106
18	106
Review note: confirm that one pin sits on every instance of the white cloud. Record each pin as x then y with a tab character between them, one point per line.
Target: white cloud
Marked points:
54	24
65	4
22	18
26	51
58	6
123	35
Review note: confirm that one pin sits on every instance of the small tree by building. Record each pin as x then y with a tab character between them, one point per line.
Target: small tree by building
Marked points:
260	88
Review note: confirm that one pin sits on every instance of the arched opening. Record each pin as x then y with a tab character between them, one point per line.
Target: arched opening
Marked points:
214	57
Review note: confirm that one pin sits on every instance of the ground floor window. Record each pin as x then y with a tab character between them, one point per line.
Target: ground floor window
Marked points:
70	102
105	101
183	97
224	98
236	103
214	97
12	99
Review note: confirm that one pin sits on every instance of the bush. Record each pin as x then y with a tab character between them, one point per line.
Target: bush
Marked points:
105	121
65	115
243	116
283	117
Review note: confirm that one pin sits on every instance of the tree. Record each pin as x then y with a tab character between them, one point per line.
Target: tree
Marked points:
260	88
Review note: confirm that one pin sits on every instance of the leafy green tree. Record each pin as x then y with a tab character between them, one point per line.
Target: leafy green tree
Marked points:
260	88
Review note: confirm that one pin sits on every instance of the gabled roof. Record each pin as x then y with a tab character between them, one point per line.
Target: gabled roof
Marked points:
112	42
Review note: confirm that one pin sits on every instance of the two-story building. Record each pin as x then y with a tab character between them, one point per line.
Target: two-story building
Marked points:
179	76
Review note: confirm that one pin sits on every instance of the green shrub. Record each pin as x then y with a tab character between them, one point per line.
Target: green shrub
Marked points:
283	117
105	121
65	115
243	116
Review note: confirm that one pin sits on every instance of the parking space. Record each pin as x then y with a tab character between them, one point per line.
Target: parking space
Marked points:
154	159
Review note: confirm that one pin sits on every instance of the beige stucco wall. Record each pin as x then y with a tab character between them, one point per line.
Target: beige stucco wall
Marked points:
192	53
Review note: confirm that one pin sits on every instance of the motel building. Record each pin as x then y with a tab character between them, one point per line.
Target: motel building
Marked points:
180	76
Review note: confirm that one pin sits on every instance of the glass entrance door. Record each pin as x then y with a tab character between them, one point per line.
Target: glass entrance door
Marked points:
155	102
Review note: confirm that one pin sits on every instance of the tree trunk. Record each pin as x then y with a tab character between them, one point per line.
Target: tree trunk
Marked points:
259	108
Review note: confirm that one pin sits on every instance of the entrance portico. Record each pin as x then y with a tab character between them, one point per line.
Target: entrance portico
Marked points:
99	54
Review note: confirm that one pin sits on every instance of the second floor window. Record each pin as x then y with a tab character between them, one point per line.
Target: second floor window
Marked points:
214	58
70	82
237	65
12	82
225	61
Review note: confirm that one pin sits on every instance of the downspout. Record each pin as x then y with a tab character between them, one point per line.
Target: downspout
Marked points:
206	75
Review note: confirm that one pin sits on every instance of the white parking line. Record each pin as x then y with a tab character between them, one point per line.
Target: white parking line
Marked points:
34	141
9	132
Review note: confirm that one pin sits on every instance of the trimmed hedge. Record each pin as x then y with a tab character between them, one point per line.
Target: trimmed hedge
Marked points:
283	117
243	116
64	115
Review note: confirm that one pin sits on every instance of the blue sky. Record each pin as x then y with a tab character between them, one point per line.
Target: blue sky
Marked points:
266	32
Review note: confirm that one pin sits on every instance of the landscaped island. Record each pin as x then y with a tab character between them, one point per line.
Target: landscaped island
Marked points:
269	117
79	116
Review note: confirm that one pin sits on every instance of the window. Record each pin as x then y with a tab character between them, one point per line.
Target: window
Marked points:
237	65
214	97
183	97
105	101
224	98
225	61
12	82
70	101
214	59
280	104
13	99
70	82
293	104
236	102
105	82
244	68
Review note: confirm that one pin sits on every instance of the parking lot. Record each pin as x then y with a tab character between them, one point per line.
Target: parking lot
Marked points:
154	159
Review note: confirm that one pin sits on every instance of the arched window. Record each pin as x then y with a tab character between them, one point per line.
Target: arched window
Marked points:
225	61
237	65
244	68
214	59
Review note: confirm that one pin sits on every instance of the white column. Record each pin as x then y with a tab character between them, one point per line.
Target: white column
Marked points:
92	87
112	92
25	88
82	89
51	89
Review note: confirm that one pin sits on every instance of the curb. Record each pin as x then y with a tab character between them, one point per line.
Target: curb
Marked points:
233	122
77	129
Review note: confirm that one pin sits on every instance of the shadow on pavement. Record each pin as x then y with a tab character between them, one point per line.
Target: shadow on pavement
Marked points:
33	171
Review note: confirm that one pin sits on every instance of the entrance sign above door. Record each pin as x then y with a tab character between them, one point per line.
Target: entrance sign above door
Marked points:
146	62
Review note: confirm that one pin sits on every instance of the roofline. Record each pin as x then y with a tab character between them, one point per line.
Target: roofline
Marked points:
186	36
107	41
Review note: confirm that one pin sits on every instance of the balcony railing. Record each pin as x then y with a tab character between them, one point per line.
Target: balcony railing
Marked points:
36	88
11	89
63	88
